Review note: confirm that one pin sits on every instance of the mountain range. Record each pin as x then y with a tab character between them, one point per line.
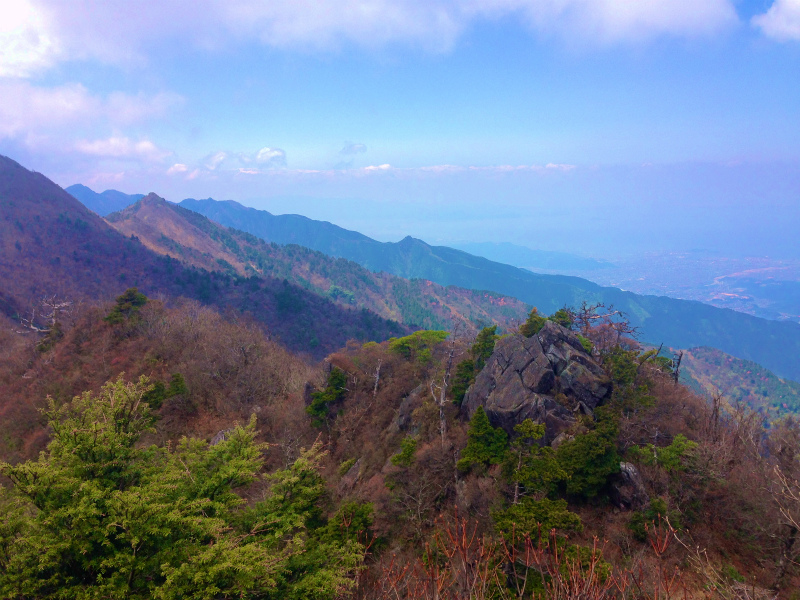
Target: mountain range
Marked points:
103	203
51	245
172	230
659	319
675	323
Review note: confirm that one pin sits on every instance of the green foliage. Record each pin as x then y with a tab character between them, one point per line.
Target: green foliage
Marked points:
160	391
51	338
127	306
622	366
334	391
320	554
586	343
405	458
463	377
346	466
533	324
673	458
531	467
483	347
351	521
339	294
417	346
531	517
98	516
652	516
486	445
732	573
563	317
590	459
468	369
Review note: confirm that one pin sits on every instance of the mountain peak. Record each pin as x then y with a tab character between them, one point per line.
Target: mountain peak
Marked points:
152	198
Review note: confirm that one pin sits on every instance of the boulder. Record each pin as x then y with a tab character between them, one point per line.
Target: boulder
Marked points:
523	376
579	376
403	419
349	479
627	488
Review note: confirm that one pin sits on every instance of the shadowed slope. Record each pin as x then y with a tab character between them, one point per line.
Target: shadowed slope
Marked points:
50	244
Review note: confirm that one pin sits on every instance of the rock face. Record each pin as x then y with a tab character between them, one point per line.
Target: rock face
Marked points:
627	489
523	376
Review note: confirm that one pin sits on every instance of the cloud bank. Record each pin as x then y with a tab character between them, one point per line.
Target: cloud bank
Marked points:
37	33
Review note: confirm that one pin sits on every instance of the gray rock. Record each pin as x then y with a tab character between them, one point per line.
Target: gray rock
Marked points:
404	417
349	479
627	488
579	376
560	439
523	375
221	436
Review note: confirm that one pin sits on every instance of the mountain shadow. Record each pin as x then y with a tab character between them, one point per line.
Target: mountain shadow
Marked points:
52	245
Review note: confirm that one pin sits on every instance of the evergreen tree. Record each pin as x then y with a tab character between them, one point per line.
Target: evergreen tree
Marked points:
486	445
334	391
533	324
99	516
127	306
483	347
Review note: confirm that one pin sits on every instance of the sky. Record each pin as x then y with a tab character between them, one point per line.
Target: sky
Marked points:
600	127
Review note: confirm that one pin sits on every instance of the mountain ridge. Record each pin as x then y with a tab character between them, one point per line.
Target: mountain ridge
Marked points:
676	323
170	229
103	203
52	245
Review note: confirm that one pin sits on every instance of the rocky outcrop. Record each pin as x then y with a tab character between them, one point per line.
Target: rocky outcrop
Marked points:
524	375
627	488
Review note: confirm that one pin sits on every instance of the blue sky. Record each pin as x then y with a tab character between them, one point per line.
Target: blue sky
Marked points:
597	126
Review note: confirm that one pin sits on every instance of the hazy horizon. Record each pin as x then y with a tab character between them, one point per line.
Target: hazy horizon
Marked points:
594	127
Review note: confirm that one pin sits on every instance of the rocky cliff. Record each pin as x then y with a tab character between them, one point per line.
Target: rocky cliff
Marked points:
548	378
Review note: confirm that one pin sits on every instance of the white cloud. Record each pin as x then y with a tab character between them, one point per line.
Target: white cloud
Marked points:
124	108
177	168
122	148
29	109
42	32
271	157
378	168
213	161
782	21
26	45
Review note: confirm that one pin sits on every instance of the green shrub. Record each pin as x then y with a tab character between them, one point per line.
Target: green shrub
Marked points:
334	391
127	306
346	466
533	324
590	459
530	517
486	445
563	317
417	346
651	516
408	448
586	343
673	458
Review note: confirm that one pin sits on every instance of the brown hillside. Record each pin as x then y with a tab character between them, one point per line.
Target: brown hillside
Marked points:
192	238
50	245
